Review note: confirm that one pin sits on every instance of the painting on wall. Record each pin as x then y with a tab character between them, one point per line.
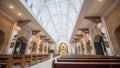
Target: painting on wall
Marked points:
106	44
12	44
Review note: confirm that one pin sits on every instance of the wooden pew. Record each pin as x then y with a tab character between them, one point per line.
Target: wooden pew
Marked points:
86	64
88	60
29	59
9	60
6	61
41	57
19	59
87	57
82	61
47	56
35	58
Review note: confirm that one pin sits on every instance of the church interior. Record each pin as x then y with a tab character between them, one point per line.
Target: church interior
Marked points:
59	33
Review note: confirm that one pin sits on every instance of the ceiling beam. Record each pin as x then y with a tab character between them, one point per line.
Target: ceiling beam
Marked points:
94	19
23	22
50	42
75	42
80	36
76	39
85	30
35	32
46	40
42	37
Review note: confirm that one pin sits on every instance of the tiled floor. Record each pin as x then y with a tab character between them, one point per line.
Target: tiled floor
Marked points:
45	64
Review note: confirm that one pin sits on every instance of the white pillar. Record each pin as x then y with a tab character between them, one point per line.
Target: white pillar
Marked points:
92	41
44	44
107	35
28	50
15	31
81	46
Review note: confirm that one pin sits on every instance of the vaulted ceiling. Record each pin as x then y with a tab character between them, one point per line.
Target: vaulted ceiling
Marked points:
57	19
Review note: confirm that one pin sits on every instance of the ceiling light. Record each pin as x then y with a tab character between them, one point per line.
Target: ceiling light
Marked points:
19	14
10	6
100	0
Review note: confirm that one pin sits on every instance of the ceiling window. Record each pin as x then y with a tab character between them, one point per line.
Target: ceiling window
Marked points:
58	17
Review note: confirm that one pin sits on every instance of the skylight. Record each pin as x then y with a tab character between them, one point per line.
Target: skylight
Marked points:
58	17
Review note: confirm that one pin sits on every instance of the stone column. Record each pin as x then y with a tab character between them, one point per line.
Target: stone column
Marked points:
111	50
87	45
51	47
29	46
43	48
78	48
13	38
47	44
40	46
92	41
81	47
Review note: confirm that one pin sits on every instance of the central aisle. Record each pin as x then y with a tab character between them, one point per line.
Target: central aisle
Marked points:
44	64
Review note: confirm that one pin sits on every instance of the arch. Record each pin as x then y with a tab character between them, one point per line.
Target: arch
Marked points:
23	39
20	45
117	30
63	48
117	34
99	45
97	38
2	37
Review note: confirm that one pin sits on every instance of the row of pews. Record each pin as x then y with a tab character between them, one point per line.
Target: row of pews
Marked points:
83	61
8	61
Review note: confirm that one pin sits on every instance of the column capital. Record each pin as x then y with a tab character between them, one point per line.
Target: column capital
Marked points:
84	30
94	19
42	37
23	22
34	32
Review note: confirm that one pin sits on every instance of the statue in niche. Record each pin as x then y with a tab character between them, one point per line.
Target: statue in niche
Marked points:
106	44
12	44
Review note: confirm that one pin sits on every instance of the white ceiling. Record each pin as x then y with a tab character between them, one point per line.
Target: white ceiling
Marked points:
13	13
58	17
91	8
